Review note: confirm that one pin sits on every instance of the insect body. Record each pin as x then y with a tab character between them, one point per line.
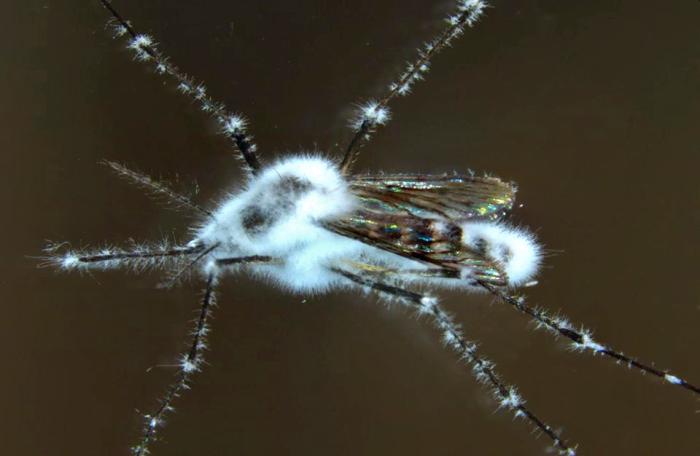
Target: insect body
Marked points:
311	219
310	225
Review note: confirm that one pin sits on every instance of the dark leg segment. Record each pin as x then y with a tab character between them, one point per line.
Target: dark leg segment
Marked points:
244	260
231	125
139	257
376	113
190	362
581	338
483	369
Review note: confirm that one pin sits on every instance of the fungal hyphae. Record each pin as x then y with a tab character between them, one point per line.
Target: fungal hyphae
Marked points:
309	225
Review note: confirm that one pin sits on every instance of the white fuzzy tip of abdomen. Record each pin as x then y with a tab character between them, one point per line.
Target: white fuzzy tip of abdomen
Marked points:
515	250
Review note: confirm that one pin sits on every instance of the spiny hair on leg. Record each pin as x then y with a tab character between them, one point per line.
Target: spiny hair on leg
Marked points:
483	370
582	339
139	257
189	363
145	49
157	188
374	113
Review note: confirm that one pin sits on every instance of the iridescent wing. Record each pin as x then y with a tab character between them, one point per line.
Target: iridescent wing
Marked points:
417	217
448	197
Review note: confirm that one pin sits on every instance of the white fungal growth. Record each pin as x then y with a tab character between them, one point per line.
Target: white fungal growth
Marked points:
153	423
514	249
672	379
452	19
234	124
469	11
69	261
282	226
138	258
511	400
187	365
141	44
473	8
119	31
451	339
427	305
200	92
281	214
371	113
588	343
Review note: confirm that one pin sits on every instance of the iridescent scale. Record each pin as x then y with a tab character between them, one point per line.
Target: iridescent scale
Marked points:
419	217
455	198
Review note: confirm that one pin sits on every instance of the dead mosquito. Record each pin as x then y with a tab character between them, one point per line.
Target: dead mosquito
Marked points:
308	224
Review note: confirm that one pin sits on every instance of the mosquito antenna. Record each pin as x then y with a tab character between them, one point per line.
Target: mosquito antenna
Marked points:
155	187
483	369
190	362
140	257
581	338
374	113
233	126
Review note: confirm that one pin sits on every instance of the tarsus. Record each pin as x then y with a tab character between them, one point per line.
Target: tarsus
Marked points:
190	363
481	367
241	140
581	338
469	12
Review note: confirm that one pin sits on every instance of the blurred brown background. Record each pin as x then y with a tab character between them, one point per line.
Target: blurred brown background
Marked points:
592	107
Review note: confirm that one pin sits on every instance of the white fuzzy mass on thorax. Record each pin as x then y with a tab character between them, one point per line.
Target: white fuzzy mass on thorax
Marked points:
280	214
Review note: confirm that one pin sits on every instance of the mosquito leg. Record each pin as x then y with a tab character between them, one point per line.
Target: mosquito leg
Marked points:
581	338
190	362
139	257
222	262
376	112
482	368
232	125
245	260
157	188
177	275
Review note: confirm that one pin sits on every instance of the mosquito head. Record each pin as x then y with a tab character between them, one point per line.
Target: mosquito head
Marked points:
280	207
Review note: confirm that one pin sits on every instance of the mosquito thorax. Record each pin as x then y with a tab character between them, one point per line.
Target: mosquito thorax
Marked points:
280	206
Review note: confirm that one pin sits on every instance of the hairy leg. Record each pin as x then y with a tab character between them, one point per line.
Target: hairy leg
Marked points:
453	337
232	125
156	188
139	257
190	362
581	338
376	112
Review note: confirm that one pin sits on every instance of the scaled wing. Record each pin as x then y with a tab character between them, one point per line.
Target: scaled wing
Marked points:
419	217
447	197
